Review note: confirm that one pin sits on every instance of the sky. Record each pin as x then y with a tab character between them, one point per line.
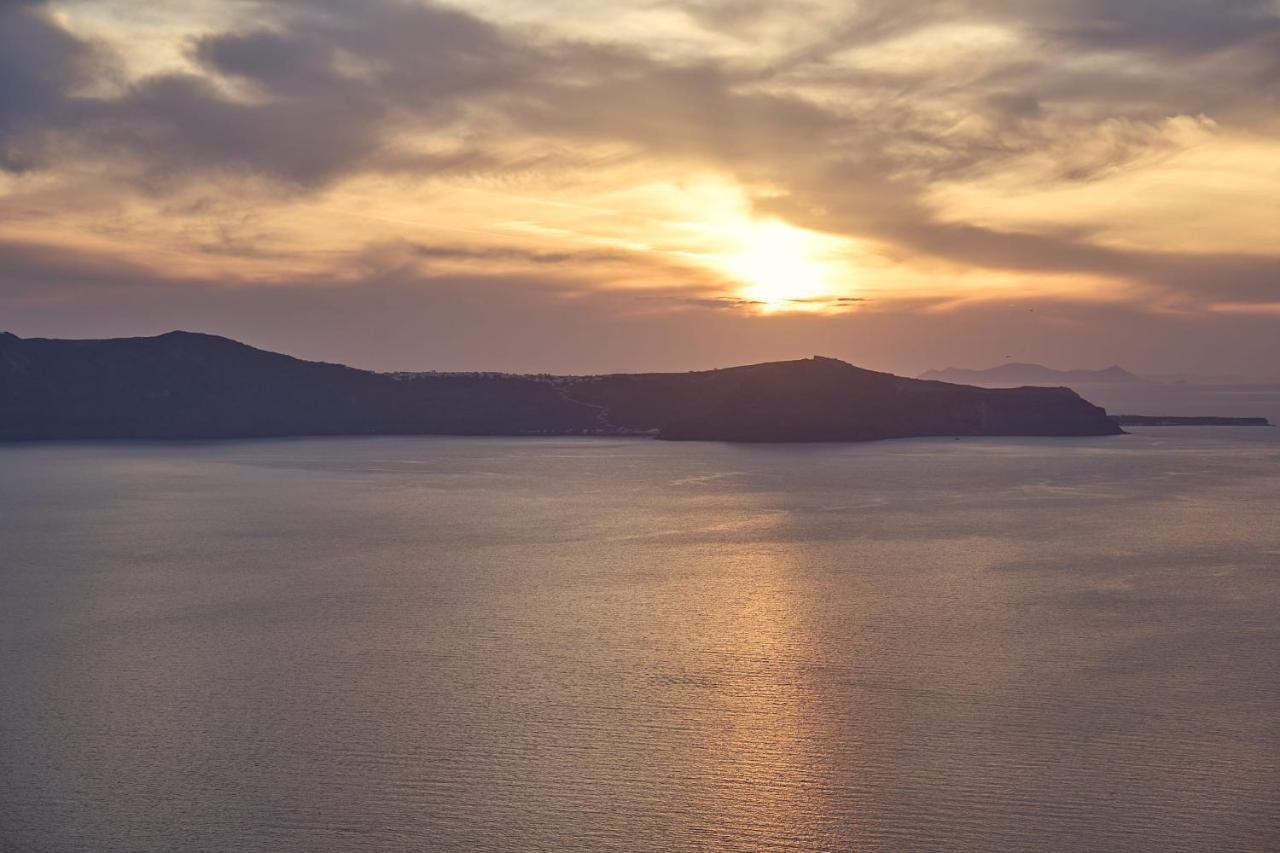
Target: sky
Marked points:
577	186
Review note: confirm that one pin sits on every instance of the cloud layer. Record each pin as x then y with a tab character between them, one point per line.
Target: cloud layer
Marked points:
289	144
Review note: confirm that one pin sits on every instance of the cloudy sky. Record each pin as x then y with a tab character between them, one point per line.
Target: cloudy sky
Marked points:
575	185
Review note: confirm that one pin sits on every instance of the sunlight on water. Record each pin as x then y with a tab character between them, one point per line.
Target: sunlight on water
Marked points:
494	644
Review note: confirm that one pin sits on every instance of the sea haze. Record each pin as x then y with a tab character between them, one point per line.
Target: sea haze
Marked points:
400	644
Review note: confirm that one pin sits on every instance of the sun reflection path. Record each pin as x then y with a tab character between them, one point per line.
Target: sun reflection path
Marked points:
766	776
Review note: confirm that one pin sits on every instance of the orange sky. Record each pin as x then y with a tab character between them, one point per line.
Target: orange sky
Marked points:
573	185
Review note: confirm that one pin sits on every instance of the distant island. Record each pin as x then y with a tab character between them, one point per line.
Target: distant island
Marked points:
1191	420
184	385
1016	374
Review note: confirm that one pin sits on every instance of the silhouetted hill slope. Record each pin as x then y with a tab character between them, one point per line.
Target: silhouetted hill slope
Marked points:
822	399
651	401
1016	374
185	385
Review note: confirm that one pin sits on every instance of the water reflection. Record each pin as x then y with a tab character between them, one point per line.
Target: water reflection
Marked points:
408	644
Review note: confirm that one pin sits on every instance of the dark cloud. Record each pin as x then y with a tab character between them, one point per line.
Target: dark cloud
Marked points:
324	91
178	126
40	65
407	57
513	254
716	302
587	269
1167	27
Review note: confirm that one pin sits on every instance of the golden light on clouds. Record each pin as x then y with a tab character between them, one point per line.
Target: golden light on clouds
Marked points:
1192	184
767	159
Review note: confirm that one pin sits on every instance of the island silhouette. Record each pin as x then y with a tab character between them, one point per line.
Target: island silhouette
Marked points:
1013	374
186	385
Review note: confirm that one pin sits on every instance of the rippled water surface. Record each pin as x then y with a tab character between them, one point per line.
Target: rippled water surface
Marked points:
488	644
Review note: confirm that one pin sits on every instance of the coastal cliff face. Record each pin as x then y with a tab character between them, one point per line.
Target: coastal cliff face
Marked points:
185	385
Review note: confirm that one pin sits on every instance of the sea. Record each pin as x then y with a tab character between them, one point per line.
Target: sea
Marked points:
558	644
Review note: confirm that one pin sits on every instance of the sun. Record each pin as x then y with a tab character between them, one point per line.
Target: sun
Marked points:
777	264
780	267
761	261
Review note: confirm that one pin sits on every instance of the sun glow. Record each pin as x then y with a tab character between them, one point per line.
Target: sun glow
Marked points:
781	266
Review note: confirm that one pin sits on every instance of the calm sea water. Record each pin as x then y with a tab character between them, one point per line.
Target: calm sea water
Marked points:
488	644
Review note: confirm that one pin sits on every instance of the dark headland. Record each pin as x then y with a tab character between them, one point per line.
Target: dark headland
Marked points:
184	385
